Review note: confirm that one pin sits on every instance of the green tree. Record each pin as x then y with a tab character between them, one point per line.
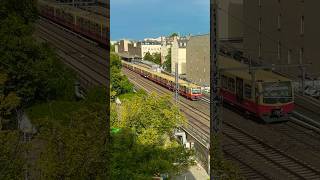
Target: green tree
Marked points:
174	34
8	102
26	9
119	82
148	57
11	155
156	58
112	48
34	71
145	146
75	149
167	62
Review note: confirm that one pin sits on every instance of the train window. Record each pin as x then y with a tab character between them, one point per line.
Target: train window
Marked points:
231	84
247	91
224	82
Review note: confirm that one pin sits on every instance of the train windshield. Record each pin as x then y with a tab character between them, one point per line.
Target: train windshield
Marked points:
277	92
196	91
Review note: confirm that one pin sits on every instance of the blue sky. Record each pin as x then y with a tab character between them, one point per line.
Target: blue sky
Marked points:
138	19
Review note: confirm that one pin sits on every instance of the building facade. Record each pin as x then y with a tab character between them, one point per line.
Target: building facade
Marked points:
178	55
149	46
283	32
198	59
230	15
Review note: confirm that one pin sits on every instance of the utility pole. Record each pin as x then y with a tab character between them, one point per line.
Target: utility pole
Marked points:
177	83
214	75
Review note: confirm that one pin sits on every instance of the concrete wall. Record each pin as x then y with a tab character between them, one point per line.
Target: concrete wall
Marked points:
198	59
289	34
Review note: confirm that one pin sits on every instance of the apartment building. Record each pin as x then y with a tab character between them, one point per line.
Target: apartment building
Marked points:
198	59
283	32
178	54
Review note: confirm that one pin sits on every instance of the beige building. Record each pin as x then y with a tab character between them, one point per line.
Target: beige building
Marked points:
198	59
149	46
178	55
283	32
164	51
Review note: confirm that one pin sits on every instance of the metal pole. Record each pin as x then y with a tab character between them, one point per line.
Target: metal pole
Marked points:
303	79
214	98
177	83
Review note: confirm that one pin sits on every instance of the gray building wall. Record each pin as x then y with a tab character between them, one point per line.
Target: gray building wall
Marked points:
228	26
280	37
198	59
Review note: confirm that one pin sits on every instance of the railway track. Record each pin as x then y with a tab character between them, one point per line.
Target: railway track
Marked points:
203	124
88	70
285	165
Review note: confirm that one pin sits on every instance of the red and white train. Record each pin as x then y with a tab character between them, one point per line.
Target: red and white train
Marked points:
271	99
83	22
186	89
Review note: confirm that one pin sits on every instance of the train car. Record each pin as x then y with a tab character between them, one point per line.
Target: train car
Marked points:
188	90
271	99
88	24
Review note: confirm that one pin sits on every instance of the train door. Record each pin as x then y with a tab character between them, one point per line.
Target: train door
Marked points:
239	89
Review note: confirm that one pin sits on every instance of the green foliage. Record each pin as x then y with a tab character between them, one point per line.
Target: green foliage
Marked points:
151	112
222	168
167	63
174	34
11	157
8	103
144	147
97	95
34	72
148	57
133	160
155	57
119	82
112	48
26	9
74	149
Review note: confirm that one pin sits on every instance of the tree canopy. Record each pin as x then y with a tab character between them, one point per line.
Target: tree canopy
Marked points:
167	62
147	123
11	155
155	57
119	82
174	34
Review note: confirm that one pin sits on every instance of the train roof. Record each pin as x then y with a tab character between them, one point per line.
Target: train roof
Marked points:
164	76
78	12
261	75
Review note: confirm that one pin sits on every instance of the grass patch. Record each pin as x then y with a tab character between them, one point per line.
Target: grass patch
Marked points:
57	110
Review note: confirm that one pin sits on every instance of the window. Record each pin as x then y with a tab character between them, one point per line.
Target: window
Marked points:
259	50
279	50
231	85
247	91
260	22
289	56
279	22
302	25
224	82
301	55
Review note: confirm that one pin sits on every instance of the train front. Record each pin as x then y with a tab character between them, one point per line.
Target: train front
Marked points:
196	93
276	101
